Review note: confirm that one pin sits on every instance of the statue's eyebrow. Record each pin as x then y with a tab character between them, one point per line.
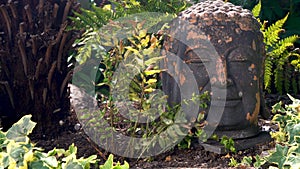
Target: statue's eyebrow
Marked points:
198	55
241	54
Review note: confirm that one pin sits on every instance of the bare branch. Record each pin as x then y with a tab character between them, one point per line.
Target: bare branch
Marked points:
9	91
55	10
66	11
48	53
21	28
41	6
60	51
23	55
61	30
7	20
65	82
34	45
31	88
29	15
38	68
13	8
45	95
51	72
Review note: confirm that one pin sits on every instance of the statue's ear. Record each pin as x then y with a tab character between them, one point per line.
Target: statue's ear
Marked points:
264	111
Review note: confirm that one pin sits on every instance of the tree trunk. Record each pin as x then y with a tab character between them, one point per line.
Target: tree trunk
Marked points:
34	46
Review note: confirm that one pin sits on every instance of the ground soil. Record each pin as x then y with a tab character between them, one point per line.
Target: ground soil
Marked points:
195	157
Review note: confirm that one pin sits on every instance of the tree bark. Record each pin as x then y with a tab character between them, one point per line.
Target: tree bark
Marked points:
34	46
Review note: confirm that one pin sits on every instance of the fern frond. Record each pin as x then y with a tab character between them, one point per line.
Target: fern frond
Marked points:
268	72
84	53
287	77
282	45
263	26
278	79
294	85
256	10
102	15
272	32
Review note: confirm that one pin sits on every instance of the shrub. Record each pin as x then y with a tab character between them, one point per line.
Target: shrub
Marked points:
287	149
281	60
17	152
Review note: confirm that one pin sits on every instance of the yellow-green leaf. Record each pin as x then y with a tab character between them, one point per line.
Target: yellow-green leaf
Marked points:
256	10
151	72
151	81
142	33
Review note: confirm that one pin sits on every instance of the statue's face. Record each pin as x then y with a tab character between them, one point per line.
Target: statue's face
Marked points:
222	45
236	70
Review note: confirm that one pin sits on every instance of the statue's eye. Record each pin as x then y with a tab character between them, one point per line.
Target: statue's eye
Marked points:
198	61
198	56
239	55
237	58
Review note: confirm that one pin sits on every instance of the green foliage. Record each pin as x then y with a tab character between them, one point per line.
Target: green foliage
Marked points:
248	4
233	162
96	17
17	152
109	164
273	10
136	52
92	20
228	143
281	59
256	10
287	149
247	161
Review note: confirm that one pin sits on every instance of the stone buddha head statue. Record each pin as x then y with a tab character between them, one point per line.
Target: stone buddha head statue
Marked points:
235	65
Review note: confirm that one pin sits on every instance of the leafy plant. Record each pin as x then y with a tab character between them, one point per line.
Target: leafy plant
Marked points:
287	149
109	164
17	152
247	161
281	60
228	143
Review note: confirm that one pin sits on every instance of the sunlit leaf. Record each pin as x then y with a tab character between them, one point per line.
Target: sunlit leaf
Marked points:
153	60
256	10
279	156
20	130
152	72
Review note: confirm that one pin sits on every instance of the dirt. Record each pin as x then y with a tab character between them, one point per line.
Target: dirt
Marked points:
194	157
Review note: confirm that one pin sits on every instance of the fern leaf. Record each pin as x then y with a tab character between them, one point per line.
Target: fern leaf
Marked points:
102	15
294	85
256	10
84	52
282	45
278	79
287	78
268	72
272	32
85	21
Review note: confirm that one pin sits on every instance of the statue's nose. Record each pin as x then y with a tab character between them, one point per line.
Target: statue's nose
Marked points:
220	77
221	83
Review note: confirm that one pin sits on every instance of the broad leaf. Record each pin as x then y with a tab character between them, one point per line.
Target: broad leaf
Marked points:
38	164
293	161
73	165
279	156
109	163
20	130
51	161
295	131
256	10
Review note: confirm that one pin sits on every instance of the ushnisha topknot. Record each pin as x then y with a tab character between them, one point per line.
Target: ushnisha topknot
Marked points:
206	12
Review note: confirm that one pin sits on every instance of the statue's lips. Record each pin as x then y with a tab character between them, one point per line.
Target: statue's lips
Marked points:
228	102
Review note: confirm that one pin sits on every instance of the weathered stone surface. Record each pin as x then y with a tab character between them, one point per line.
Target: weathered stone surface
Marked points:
223	48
